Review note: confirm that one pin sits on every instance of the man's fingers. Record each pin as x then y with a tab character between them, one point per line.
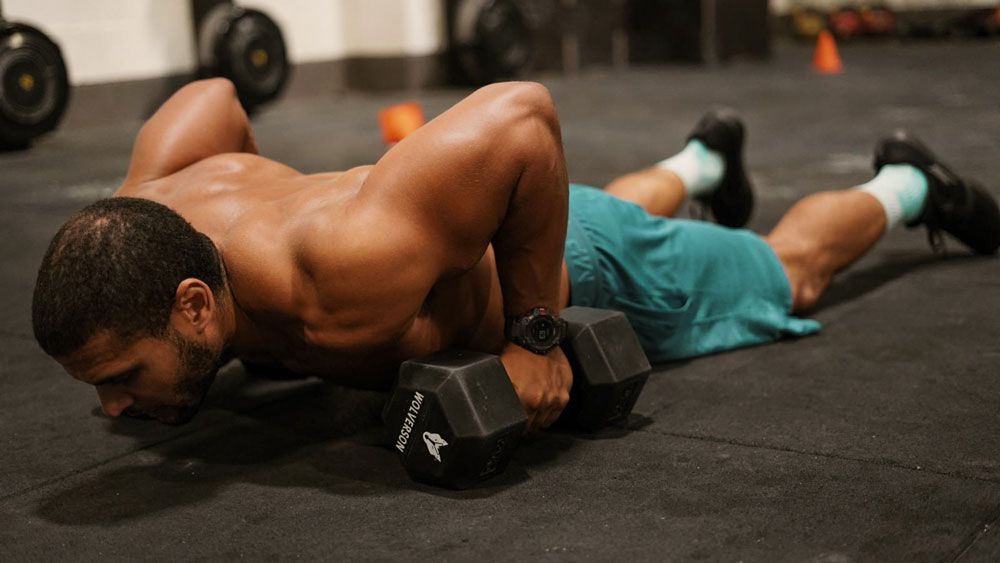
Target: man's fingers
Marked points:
540	419
554	407
535	423
544	405
550	418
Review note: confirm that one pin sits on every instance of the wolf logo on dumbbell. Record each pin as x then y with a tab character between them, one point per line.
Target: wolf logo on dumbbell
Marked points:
434	444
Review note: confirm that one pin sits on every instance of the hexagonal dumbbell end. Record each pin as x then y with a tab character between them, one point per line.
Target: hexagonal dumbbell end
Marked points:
609	367
454	418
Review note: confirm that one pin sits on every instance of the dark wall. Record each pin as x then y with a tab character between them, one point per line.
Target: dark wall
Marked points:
576	34
697	30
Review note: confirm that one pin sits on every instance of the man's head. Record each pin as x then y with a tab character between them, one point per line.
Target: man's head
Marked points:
128	299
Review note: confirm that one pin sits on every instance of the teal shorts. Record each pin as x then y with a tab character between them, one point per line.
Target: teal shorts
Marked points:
687	287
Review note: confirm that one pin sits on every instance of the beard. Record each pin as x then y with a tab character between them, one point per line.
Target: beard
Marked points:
198	366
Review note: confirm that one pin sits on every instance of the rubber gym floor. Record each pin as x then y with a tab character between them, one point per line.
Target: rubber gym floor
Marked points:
875	440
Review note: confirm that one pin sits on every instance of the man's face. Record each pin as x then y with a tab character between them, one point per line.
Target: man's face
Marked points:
165	379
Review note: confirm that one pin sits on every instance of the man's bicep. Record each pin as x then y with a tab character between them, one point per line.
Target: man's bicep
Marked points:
201	120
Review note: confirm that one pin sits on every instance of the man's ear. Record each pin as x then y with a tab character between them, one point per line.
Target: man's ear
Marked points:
195	303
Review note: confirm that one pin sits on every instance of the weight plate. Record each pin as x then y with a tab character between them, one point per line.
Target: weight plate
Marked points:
247	47
213	27
34	87
256	55
493	39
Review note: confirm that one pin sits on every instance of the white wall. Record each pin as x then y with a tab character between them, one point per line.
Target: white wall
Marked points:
117	40
331	29
393	27
113	40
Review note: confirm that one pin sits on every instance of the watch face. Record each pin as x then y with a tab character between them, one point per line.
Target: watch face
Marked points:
542	330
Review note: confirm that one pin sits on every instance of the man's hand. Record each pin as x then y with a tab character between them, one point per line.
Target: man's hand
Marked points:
541	382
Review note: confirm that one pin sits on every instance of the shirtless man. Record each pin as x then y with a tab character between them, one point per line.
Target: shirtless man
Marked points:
210	252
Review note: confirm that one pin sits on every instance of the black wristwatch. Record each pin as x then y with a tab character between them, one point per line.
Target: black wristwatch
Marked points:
539	331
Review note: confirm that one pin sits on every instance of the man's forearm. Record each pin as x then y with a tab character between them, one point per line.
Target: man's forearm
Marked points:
530	240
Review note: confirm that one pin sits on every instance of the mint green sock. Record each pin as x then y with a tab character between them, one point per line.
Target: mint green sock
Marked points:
699	168
902	191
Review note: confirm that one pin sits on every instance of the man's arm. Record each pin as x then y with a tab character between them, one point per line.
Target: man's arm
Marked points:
489	170
200	120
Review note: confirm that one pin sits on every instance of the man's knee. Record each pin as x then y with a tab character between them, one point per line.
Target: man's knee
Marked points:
805	267
805	296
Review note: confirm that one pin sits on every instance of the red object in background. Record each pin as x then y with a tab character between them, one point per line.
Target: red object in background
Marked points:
878	21
400	120
846	23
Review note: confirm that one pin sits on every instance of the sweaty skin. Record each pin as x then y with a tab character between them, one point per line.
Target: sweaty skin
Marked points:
344	275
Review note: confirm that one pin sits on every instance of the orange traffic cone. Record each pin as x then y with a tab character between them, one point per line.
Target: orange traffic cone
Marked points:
826	60
400	120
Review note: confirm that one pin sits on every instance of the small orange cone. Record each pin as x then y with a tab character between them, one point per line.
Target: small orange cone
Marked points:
826	60
400	120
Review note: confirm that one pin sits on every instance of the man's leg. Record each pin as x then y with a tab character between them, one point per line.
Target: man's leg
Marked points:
657	190
709	168
822	234
825	232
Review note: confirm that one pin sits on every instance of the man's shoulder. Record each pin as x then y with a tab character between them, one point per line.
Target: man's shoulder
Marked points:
260	265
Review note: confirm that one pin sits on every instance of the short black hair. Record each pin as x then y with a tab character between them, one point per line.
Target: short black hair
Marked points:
115	265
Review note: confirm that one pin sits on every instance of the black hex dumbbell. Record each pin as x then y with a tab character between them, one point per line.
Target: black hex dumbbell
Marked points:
455	419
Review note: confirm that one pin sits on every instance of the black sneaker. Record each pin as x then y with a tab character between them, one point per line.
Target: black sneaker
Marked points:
732	202
959	207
